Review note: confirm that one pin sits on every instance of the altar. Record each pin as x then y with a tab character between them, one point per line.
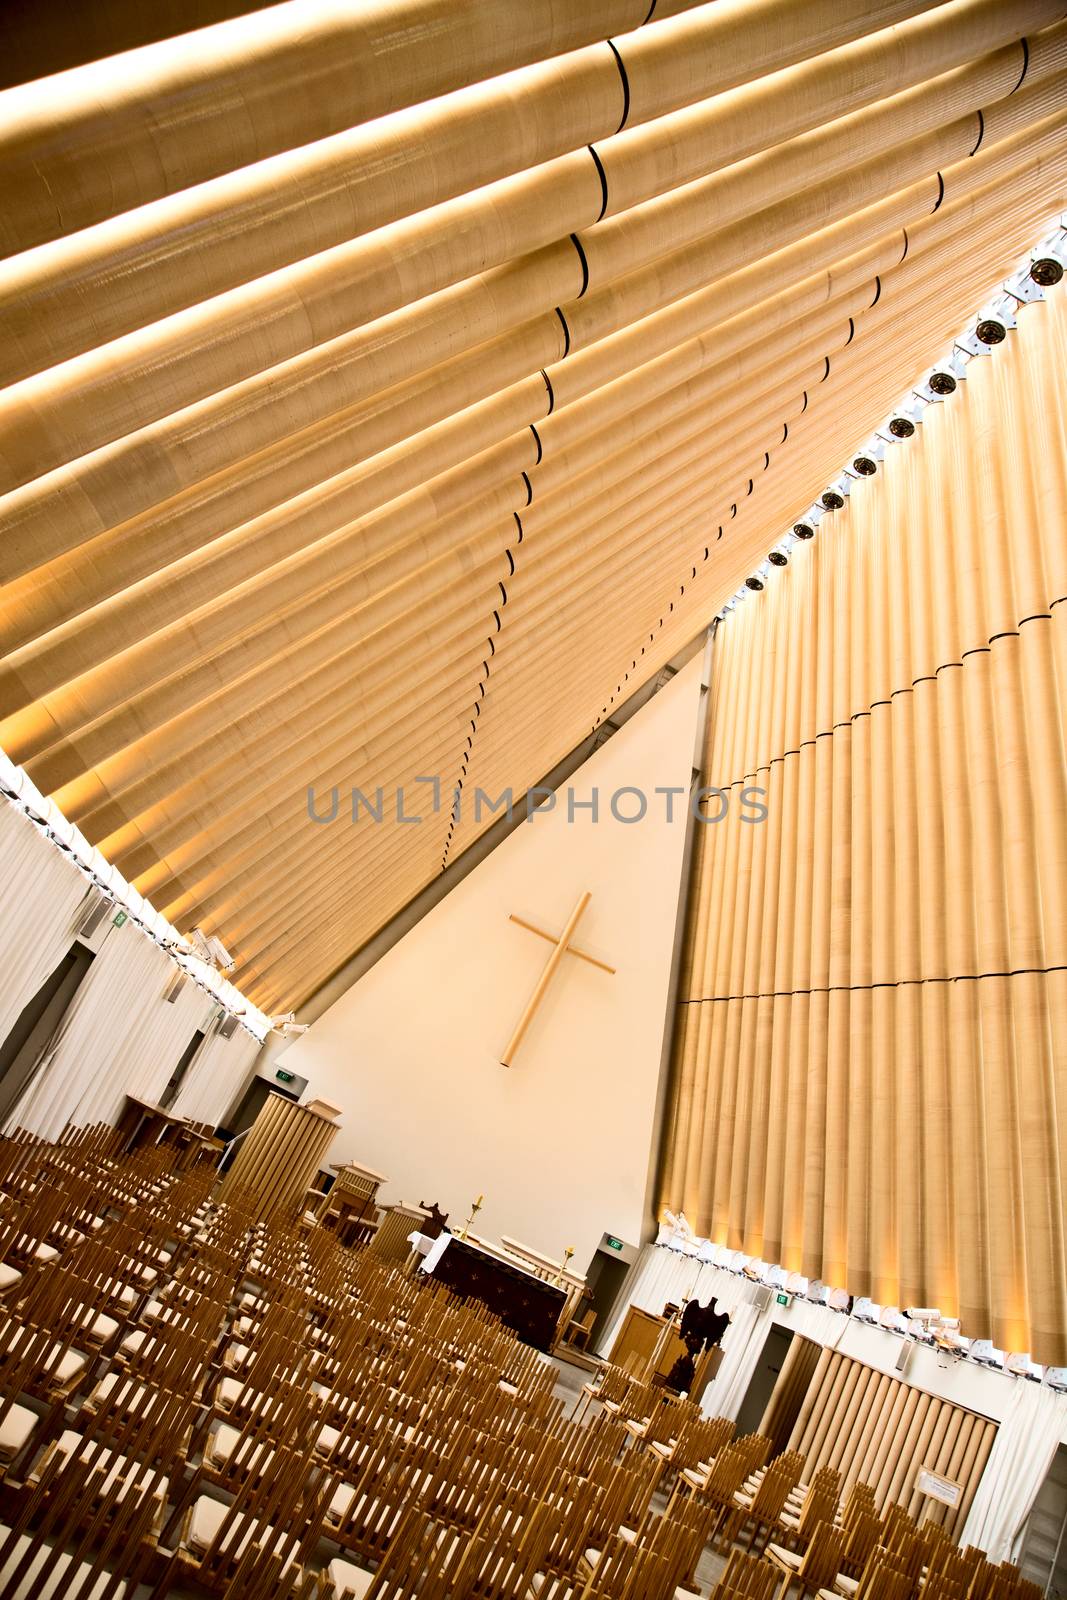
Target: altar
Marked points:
525	1303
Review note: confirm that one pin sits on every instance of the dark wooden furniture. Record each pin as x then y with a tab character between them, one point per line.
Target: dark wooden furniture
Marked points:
525	1304
143	1123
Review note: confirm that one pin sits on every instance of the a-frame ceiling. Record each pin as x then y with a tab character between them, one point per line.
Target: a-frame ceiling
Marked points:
391	389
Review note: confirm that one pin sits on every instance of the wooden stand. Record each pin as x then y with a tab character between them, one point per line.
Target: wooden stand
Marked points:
279	1157
351	1205
391	1240
143	1123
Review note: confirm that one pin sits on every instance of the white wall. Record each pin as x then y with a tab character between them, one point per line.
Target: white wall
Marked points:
559	1144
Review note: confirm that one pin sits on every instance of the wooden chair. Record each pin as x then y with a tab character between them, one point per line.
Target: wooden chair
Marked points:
880	1581
862	1529
761	1509
681	1540
58	1545
577	1332
628	1571
859	1501
819	1504
423	1558
263	1536
817	1568
745	1576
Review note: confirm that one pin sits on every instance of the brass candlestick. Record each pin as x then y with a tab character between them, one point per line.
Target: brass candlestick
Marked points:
476	1206
565	1263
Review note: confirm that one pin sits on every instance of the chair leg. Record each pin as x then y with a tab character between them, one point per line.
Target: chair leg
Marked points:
166	1579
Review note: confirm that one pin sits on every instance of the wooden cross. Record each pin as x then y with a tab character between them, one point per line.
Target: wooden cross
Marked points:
561	947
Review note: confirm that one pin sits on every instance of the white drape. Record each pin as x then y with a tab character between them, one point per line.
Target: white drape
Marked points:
1018	1464
40	893
215	1076
661	1275
1027	1437
118	1037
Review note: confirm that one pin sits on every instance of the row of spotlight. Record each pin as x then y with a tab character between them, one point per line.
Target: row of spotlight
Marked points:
1042	269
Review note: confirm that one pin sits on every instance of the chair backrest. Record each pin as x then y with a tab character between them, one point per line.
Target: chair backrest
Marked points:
863	1530
774	1489
860	1498
886	1583
628	1572
729	1472
822	1559
746	1575
820	1505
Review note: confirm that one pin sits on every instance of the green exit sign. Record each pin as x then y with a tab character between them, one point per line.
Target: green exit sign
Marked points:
119	918
283	1077
614	1244
783	1299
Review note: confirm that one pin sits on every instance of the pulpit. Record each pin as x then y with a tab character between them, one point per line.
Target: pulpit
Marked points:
280	1155
392	1239
143	1123
351	1205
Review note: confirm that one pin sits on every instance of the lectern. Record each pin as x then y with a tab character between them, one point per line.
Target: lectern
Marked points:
280	1155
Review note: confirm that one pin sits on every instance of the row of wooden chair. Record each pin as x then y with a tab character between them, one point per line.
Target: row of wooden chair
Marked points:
201	1399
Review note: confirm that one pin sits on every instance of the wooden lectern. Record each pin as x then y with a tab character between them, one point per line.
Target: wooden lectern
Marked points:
279	1157
351	1206
391	1241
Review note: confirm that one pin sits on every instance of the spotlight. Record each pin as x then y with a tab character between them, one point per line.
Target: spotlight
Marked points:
754	583
902	427
942	383
990	331
1046	271
777	559
803	530
832	500
865	466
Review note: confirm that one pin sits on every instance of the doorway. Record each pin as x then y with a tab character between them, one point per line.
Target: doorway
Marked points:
35	1024
768	1371
170	1093
1043	1558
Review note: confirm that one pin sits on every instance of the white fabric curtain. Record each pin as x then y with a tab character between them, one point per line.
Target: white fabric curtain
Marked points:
661	1275
1027	1436
118	1037
40	893
741	1346
658	1275
215	1076
1018	1465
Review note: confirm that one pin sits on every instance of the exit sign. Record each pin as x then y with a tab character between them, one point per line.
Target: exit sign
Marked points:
784	1299
614	1244
119	918
283	1077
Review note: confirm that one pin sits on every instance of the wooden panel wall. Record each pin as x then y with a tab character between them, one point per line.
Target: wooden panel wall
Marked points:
784	1406
880	1430
870	1067
405	424
279	1157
